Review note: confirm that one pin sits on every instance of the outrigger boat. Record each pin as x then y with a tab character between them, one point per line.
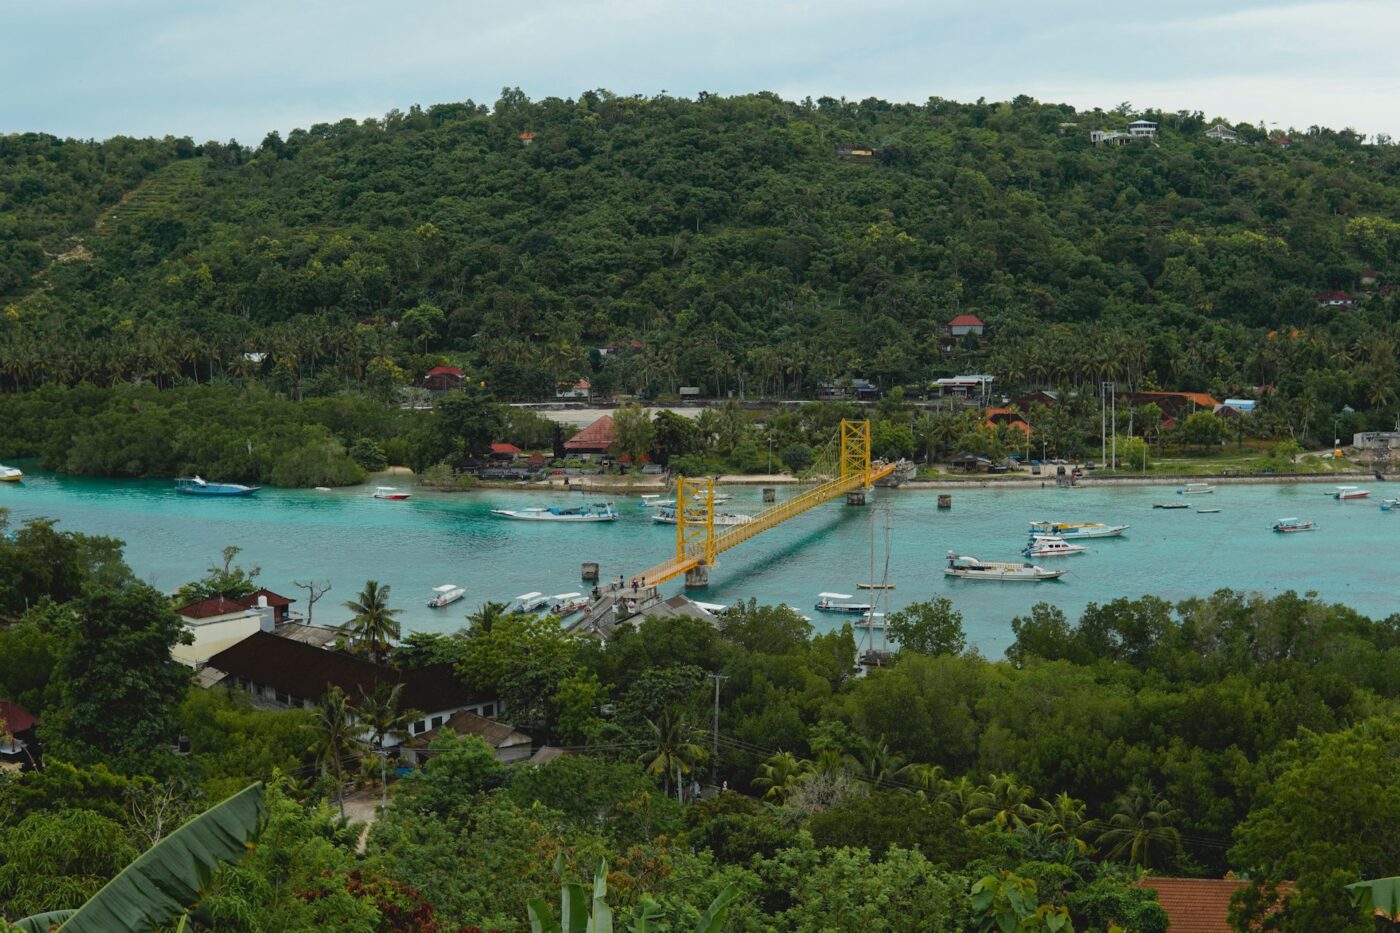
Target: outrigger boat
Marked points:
445	595
1195	489
656	502
1051	546
1350	492
1077	529
197	486
828	603
722	519
10	474
1290	525
970	568
1170	505
390	492
596	512
874	586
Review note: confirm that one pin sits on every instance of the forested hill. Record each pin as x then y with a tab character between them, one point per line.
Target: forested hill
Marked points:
723	234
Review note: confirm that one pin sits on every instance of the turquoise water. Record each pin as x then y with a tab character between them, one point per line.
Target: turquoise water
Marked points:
347	537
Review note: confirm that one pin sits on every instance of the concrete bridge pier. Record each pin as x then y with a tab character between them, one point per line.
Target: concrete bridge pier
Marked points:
855	497
698	576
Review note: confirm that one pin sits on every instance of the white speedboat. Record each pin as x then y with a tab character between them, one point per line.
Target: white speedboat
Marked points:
722	519
530	602
9	474
970	568
832	602
445	595
1290	525
871	622
596	512
1350	492
389	492
656	502
1069	530
1051	546
1390	505
1195	489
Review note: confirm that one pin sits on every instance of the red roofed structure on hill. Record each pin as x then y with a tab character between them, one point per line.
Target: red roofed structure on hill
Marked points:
443	379
17	735
1200	905
597	438
220	606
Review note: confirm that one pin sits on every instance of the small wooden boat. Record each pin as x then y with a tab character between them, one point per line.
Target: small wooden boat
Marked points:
1206	511
445	595
197	486
970	568
1350	492
9	474
1290	525
828	603
874	586
1170	505
390	492
656	502
1195	489
596	512
722	519
564	605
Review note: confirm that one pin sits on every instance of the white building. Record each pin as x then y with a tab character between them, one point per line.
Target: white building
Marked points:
1222	133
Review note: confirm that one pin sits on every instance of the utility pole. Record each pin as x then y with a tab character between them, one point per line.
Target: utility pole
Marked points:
1103	421
714	735
1113	419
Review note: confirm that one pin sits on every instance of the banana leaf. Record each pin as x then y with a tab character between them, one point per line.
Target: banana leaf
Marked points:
168	878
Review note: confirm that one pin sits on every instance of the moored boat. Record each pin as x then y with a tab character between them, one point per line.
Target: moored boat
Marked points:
1390	505
563	605
832	602
390	492
445	595
530	602
1195	489
1077	529
874	586
9	474
656	502
722	519
1290	525
970	568
1350	492
1051	546
595	512
198	486
1170	505
871	622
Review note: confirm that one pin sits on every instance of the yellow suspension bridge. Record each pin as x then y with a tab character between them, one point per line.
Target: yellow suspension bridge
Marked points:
698	546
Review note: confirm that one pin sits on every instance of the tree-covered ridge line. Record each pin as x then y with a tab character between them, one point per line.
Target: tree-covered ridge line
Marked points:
725	236
1229	731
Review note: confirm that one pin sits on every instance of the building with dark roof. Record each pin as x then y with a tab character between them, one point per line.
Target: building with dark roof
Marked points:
285	673
217	623
597	438
18	736
509	743
443	379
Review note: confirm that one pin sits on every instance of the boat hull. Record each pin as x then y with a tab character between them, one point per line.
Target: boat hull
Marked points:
550	517
438	602
396	497
1000	576
1070	531
212	490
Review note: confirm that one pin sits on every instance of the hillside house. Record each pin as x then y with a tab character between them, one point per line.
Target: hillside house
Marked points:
443	379
974	386
1174	405
218	623
964	324
282	673
1142	129
527	137
860	390
1010	416
594	440
1368	276
1047	397
580	389
509	743
1200	905
1335	298
1222	133
1101	138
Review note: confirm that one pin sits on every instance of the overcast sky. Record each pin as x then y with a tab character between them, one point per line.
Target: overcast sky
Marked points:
220	69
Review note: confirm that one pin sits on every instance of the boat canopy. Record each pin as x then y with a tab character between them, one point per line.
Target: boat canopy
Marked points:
562	596
525	596
711	607
445	588
835	595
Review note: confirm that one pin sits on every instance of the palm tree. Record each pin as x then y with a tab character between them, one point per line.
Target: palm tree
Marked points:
374	625
877	763
780	774
1141	828
482	621
1007	804
336	737
926	777
1062	819
381	713
676	752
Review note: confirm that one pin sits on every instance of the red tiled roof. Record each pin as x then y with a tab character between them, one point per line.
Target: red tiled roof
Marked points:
1200	398
445	371
306	671
15	718
966	320
528	134
218	605
1199	905
1333	296
596	438
213	606
504	449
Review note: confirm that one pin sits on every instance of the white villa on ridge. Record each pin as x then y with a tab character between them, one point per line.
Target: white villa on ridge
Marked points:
1222	133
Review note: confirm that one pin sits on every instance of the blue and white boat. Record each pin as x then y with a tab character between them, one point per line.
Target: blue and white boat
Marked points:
197	486
595	512
1077	529
1195	489
1390	505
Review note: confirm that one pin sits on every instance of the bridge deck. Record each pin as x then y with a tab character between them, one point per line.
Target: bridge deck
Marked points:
768	518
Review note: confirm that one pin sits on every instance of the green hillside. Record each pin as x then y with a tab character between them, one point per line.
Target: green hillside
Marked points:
724	235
